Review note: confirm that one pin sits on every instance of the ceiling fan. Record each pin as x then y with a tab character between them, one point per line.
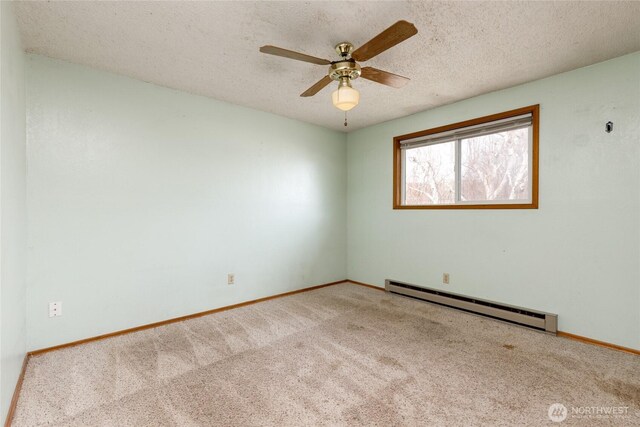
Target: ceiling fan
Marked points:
346	69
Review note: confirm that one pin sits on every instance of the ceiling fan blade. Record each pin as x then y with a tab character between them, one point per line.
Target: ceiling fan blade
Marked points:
383	77
326	80
398	32
278	51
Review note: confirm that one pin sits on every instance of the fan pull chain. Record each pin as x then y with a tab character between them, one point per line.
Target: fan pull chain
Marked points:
345	118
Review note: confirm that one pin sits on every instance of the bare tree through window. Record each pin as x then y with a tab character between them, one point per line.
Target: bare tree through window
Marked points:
430	174
494	167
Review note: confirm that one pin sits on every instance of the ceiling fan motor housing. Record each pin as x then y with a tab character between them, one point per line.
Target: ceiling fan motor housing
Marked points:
344	68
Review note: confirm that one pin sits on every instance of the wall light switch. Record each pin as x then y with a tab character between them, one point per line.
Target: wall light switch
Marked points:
55	309
231	279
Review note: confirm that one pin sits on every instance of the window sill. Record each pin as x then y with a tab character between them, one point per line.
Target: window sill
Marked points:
487	206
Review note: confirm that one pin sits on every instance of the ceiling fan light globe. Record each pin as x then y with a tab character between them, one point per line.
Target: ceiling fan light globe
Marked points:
345	98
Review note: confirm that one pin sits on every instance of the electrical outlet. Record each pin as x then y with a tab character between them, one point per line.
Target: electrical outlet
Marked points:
231	279
55	309
445	278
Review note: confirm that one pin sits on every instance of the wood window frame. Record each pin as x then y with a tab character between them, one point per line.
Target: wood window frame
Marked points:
534	110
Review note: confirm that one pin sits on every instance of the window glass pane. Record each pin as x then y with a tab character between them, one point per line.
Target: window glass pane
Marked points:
495	167
430	174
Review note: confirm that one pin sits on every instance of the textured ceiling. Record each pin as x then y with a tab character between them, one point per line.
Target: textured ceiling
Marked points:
462	49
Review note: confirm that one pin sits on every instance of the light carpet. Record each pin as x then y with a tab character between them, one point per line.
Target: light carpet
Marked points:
340	355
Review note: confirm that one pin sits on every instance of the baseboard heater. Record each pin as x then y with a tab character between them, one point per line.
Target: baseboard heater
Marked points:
533	319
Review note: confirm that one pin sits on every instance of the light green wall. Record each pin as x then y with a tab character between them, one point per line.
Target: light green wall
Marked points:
578	255
141	199
12	207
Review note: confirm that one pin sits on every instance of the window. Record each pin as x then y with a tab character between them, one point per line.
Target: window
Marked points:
486	163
